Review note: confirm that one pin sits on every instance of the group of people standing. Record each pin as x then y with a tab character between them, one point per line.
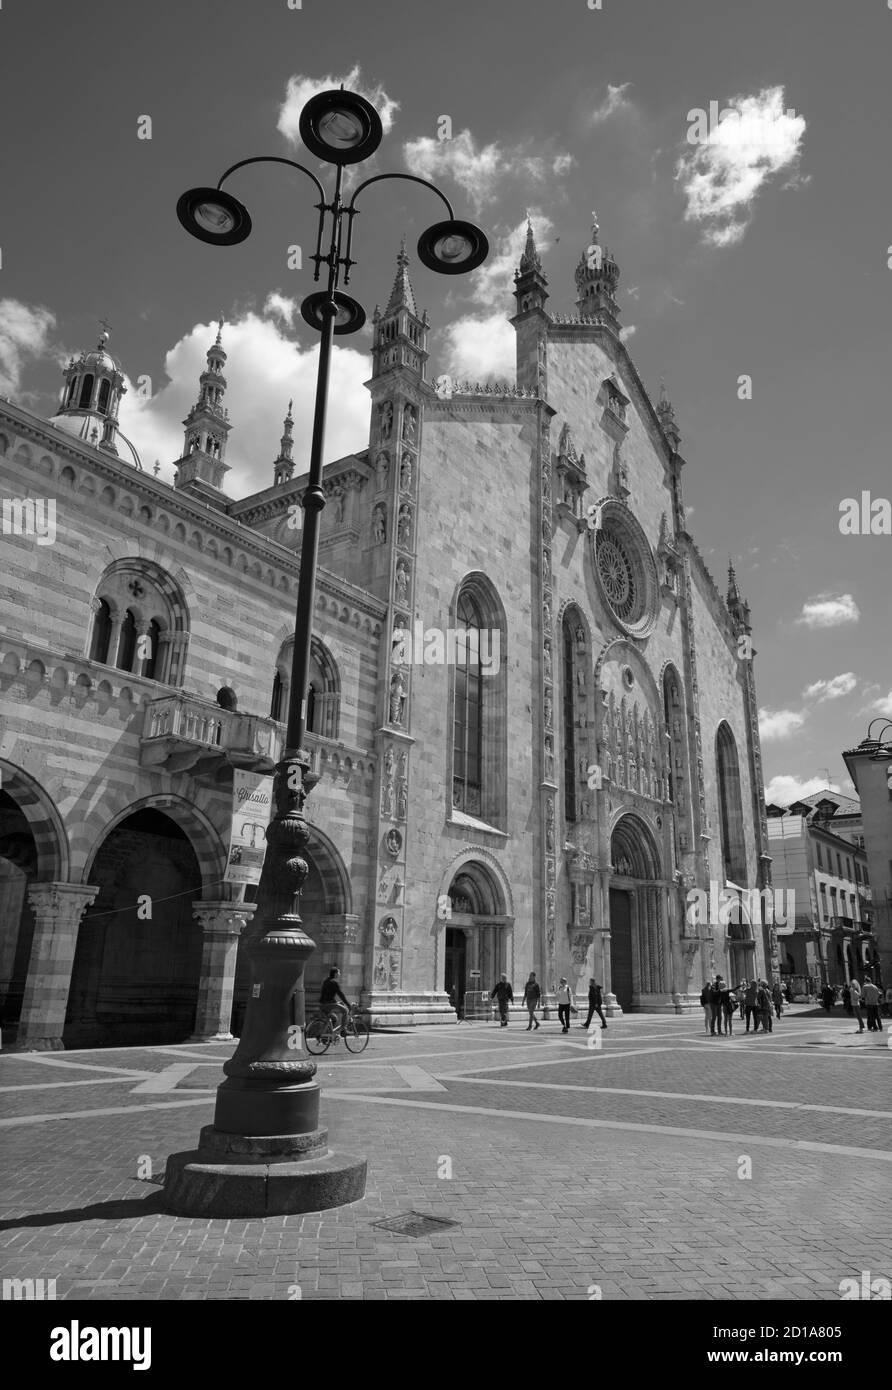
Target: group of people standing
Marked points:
757	1001
857	1000
532	999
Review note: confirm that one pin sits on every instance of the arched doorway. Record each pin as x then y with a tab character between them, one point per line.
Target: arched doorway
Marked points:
33	848
478	942
138	958
637	948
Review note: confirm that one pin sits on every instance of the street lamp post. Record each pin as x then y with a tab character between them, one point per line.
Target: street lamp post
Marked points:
265	1152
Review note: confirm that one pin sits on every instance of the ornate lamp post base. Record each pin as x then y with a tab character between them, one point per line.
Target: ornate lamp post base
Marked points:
261	1175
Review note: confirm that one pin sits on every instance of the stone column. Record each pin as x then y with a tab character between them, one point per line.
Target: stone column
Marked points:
58	909
221	924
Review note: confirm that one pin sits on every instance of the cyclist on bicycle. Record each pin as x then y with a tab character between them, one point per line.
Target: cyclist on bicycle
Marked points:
331	991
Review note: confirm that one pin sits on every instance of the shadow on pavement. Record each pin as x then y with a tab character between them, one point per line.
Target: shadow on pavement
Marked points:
99	1211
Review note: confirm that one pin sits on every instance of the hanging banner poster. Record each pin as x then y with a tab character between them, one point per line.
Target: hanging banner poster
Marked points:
252	799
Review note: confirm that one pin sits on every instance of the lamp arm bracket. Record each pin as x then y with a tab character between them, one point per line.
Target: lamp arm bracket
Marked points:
411	178
274	159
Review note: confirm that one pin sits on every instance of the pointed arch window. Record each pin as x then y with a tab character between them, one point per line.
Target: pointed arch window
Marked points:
569	713
86	393
101	635
477	702
467	738
730	806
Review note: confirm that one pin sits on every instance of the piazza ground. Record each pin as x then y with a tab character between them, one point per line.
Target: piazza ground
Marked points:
562	1168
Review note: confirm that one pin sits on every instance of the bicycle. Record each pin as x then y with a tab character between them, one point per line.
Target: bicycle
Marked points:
324	1030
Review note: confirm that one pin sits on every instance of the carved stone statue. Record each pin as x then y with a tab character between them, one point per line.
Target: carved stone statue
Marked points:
404	525
401	582
410	421
397	699
379	524
402	800
386	419
406	473
382	467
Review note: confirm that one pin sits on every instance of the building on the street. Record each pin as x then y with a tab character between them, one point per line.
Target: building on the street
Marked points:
818	857
870	768
533	712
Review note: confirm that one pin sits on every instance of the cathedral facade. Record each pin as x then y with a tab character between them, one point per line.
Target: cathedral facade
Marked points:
532	712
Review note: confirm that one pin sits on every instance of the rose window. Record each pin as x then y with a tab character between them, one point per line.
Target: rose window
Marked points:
626	571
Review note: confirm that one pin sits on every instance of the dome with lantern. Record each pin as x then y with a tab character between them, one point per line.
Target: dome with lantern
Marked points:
91	396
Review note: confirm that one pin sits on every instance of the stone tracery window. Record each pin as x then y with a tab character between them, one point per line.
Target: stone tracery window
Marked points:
626	570
140	622
323	692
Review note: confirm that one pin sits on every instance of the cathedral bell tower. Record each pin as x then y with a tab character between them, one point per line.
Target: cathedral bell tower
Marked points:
200	469
597	276
531	320
283	466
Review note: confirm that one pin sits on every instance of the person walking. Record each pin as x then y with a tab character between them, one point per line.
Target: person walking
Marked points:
564	999
741	999
872	997
707	1007
847	999
532	993
750	1005
777	999
594	1004
828	998
504	996
763	1001
857	1003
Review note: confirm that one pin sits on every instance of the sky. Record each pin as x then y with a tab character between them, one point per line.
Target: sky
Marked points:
755	250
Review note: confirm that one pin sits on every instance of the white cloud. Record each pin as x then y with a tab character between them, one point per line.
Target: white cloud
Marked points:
779	724
299	89
628	332
785	788
615	100
475	169
881	706
482	345
831	690
722	176
829	610
281	305
479	348
264	369
24	334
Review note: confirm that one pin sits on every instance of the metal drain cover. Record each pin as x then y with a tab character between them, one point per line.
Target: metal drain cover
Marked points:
414	1223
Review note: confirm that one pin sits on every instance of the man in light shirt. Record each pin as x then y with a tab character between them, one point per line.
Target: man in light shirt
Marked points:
872	999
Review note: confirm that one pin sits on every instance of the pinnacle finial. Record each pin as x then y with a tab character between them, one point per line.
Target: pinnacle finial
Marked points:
220	329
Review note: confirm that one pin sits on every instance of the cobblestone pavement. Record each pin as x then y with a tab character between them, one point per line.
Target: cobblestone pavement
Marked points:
662	1165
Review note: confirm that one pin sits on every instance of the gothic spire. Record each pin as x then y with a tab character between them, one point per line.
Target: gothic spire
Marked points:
530	259
666	414
283	466
402	296
597	276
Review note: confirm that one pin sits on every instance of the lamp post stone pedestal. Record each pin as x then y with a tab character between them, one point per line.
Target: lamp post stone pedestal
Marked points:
265	1154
